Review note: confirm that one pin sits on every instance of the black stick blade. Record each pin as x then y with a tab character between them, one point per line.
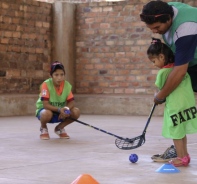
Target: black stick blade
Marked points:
128	144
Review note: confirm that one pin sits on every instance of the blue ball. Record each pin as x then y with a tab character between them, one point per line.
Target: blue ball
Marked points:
133	158
67	111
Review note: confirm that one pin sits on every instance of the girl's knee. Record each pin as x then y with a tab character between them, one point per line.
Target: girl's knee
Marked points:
75	112
46	114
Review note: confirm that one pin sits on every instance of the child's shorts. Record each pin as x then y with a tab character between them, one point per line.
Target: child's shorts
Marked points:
54	118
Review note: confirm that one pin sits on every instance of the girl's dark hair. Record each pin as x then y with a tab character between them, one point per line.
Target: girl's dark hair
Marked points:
157	47
156	8
56	65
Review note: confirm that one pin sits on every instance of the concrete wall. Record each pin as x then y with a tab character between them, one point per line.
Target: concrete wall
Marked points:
63	38
17	105
135	105
21	105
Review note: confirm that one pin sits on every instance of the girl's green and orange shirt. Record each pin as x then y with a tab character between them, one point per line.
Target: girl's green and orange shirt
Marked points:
56	97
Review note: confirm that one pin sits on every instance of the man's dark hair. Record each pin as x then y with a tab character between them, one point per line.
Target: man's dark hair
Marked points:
156	11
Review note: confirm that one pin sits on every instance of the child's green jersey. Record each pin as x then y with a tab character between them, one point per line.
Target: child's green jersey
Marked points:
180	114
55	99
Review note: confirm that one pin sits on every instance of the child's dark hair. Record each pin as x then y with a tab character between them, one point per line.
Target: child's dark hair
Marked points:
157	47
56	65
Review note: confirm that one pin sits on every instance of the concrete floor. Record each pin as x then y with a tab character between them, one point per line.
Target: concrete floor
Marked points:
25	159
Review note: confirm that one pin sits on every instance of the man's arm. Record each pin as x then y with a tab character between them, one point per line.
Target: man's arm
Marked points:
173	80
186	43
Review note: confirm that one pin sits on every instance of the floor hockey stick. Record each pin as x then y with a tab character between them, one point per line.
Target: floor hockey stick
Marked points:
96	128
101	130
128	144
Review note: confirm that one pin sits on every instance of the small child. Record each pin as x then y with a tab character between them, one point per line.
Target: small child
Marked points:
180	114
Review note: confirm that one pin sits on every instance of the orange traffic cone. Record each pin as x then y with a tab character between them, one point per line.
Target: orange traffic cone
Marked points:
85	179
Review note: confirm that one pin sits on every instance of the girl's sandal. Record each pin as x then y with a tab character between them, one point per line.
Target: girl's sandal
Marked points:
184	161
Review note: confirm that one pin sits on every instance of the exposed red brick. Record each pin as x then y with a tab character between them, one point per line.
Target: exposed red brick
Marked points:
23	51
111	44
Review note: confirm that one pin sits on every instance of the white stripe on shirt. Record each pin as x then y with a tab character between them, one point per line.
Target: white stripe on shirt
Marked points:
185	29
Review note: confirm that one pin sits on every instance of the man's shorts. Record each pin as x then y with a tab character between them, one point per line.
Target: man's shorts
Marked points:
54	119
192	71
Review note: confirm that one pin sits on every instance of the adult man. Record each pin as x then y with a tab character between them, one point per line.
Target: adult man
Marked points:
177	23
54	100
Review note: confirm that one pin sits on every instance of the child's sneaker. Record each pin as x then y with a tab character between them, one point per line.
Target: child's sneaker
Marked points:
62	133
166	156
44	134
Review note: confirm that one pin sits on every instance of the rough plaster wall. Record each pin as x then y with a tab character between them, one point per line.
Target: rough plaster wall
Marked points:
64	38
